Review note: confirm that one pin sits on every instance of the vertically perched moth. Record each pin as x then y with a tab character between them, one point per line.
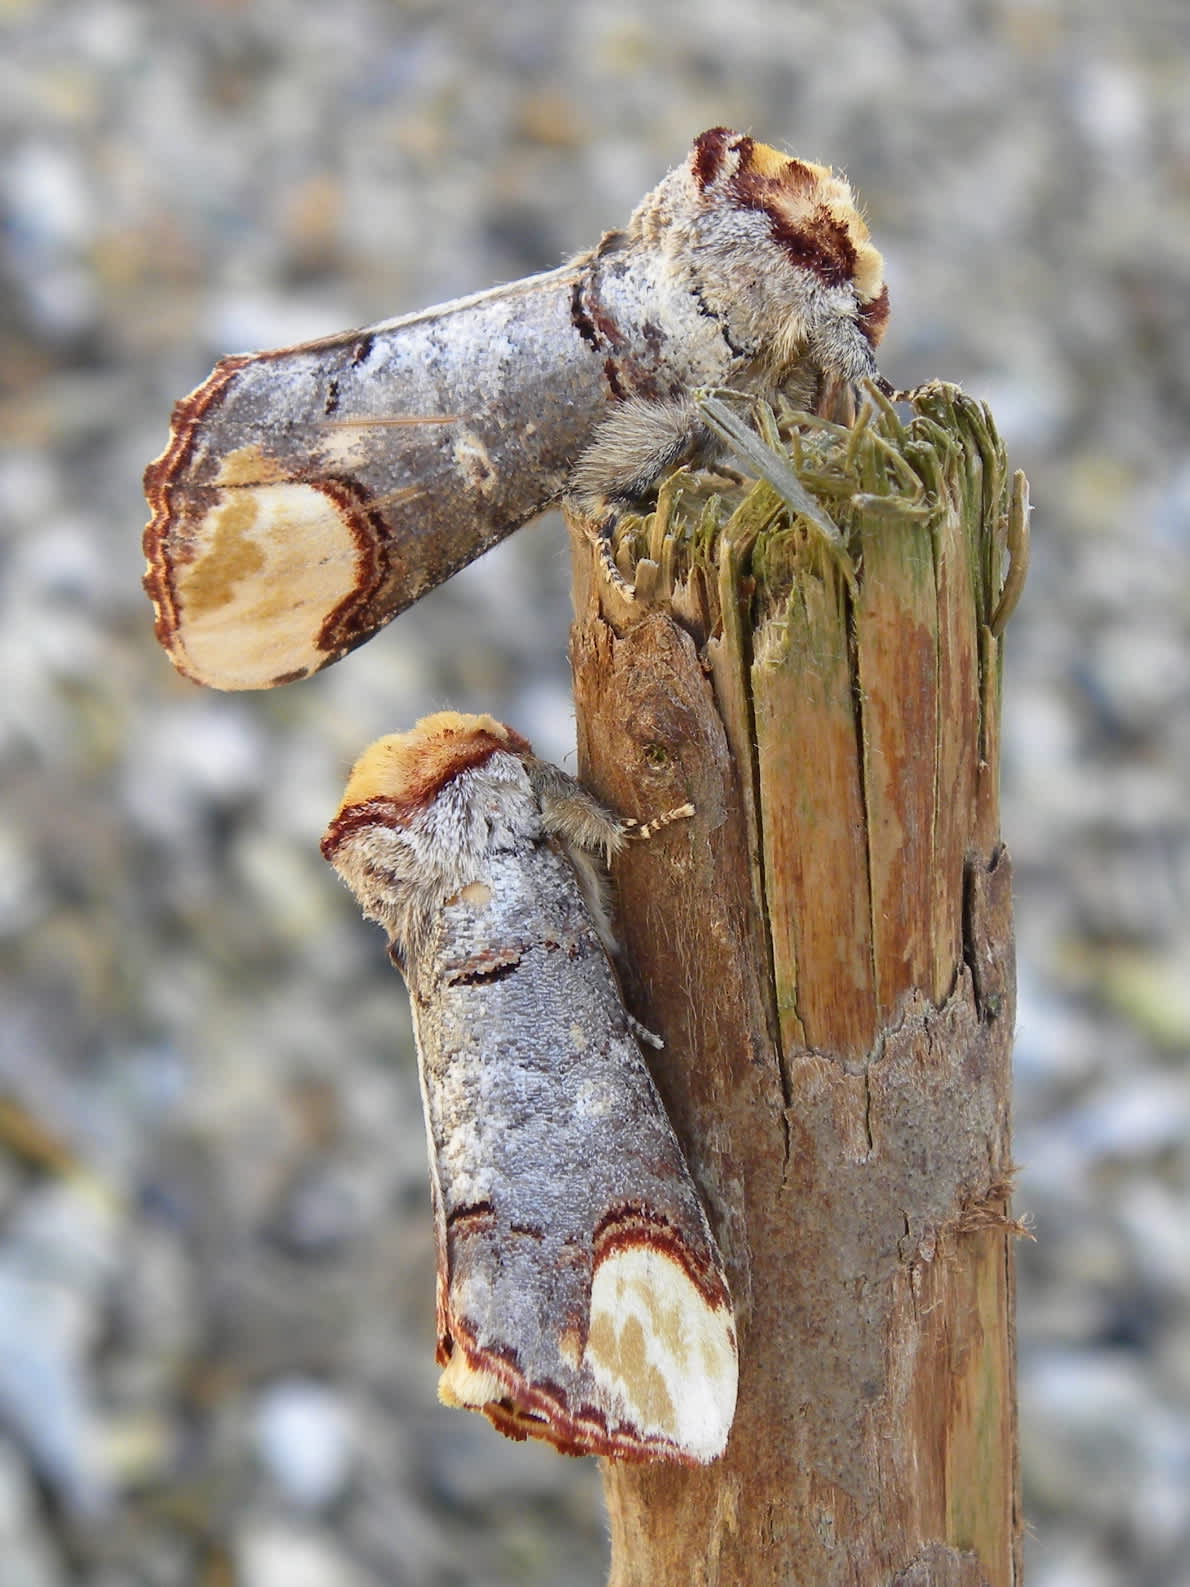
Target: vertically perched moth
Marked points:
581	1297
308	495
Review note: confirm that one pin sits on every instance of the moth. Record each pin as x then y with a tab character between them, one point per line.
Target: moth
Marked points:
581	1298
309	494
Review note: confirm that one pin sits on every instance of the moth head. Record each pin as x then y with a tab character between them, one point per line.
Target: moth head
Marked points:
406	772
780	253
411	769
395	832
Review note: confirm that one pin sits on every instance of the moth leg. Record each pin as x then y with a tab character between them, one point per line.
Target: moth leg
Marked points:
602	537
577	817
569	812
634	446
646	829
643	1033
590	833
631	449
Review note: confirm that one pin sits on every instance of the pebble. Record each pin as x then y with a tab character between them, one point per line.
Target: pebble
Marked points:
282	1554
303	1437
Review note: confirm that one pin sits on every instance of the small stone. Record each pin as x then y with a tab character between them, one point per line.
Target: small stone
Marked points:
305	1439
278	1554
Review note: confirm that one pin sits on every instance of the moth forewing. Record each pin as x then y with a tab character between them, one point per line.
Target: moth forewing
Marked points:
581	1296
289	521
291	517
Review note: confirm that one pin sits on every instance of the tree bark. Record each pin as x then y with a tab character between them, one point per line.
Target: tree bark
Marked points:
826	948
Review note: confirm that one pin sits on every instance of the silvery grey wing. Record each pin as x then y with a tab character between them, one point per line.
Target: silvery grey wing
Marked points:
309	494
581	1295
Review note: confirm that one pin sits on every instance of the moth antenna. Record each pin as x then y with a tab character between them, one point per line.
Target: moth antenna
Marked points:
404	493
370	420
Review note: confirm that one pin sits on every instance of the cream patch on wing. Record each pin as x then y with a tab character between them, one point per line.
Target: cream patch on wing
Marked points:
468	1388
662	1351
474	463
273	562
477	894
344	447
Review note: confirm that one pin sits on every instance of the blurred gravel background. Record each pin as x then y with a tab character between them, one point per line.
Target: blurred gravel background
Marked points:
215	1248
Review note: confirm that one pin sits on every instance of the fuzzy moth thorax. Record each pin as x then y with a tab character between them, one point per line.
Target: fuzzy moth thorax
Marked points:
777	249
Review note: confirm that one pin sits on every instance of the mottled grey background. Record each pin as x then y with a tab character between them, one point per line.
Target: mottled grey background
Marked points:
215	1249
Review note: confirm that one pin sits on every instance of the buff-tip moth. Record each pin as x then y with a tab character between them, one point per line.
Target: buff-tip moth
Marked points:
581	1297
309	494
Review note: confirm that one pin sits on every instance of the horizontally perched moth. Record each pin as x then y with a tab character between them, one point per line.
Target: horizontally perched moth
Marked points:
309	494
581	1297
